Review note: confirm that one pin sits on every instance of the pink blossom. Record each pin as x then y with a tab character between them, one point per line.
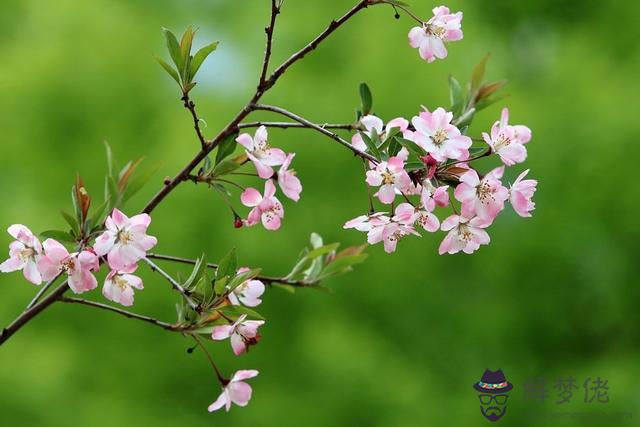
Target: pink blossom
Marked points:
288	181
390	176
507	141
370	123
482	197
435	134
521	193
367	222
24	253
247	293
125	241
430	38
77	265
243	334
432	196
260	153
236	391
266	208
464	234
118	286
389	232
407	214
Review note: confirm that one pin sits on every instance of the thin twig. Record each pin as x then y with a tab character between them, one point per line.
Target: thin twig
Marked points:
266	279
189	105
286	125
223	381
171	280
42	291
275	10
313	126
153	321
182	175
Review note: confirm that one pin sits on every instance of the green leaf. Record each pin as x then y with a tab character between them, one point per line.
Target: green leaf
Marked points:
241	278
371	146
486	102
226	148
316	240
109	154
228	265
342	265
200	56
411	146
289	288
73	223
185	53
227	166
465	119
477	76
58	235
197	272
169	69
365	98
410	166
322	250
138	181
456	96
239	310
174	48
98	212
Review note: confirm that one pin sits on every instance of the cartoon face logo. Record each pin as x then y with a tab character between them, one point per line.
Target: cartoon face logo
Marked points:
492	391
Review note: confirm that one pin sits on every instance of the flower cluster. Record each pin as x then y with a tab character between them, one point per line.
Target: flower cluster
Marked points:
266	208
443	163
430	37
242	334
123	243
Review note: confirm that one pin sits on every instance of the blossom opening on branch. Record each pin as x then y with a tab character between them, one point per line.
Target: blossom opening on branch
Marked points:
125	241
390	176
248	293
265	207
119	284
77	265
260	153
235	391
24	253
438	137
464	234
288	181
242	334
482	197
521	193
430	38
507	141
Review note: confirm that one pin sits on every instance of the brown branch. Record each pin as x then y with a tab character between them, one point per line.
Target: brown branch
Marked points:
189	105
183	174
148	319
275	10
320	129
333	25
286	125
266	279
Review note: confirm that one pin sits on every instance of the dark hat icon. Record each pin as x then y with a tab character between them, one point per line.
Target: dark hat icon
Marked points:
493	382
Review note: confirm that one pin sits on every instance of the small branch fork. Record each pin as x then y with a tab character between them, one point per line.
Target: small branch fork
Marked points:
266	279
264	84
315	127
287	125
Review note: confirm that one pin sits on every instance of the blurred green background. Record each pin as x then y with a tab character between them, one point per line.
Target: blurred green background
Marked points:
402	339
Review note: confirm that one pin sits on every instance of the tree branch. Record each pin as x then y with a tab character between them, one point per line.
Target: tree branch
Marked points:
275	10
286	125
206	148
320	129
171	280
189	105
333	25
42	291
266	279
153	321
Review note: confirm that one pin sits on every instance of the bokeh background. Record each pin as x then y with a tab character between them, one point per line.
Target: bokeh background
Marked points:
400	341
